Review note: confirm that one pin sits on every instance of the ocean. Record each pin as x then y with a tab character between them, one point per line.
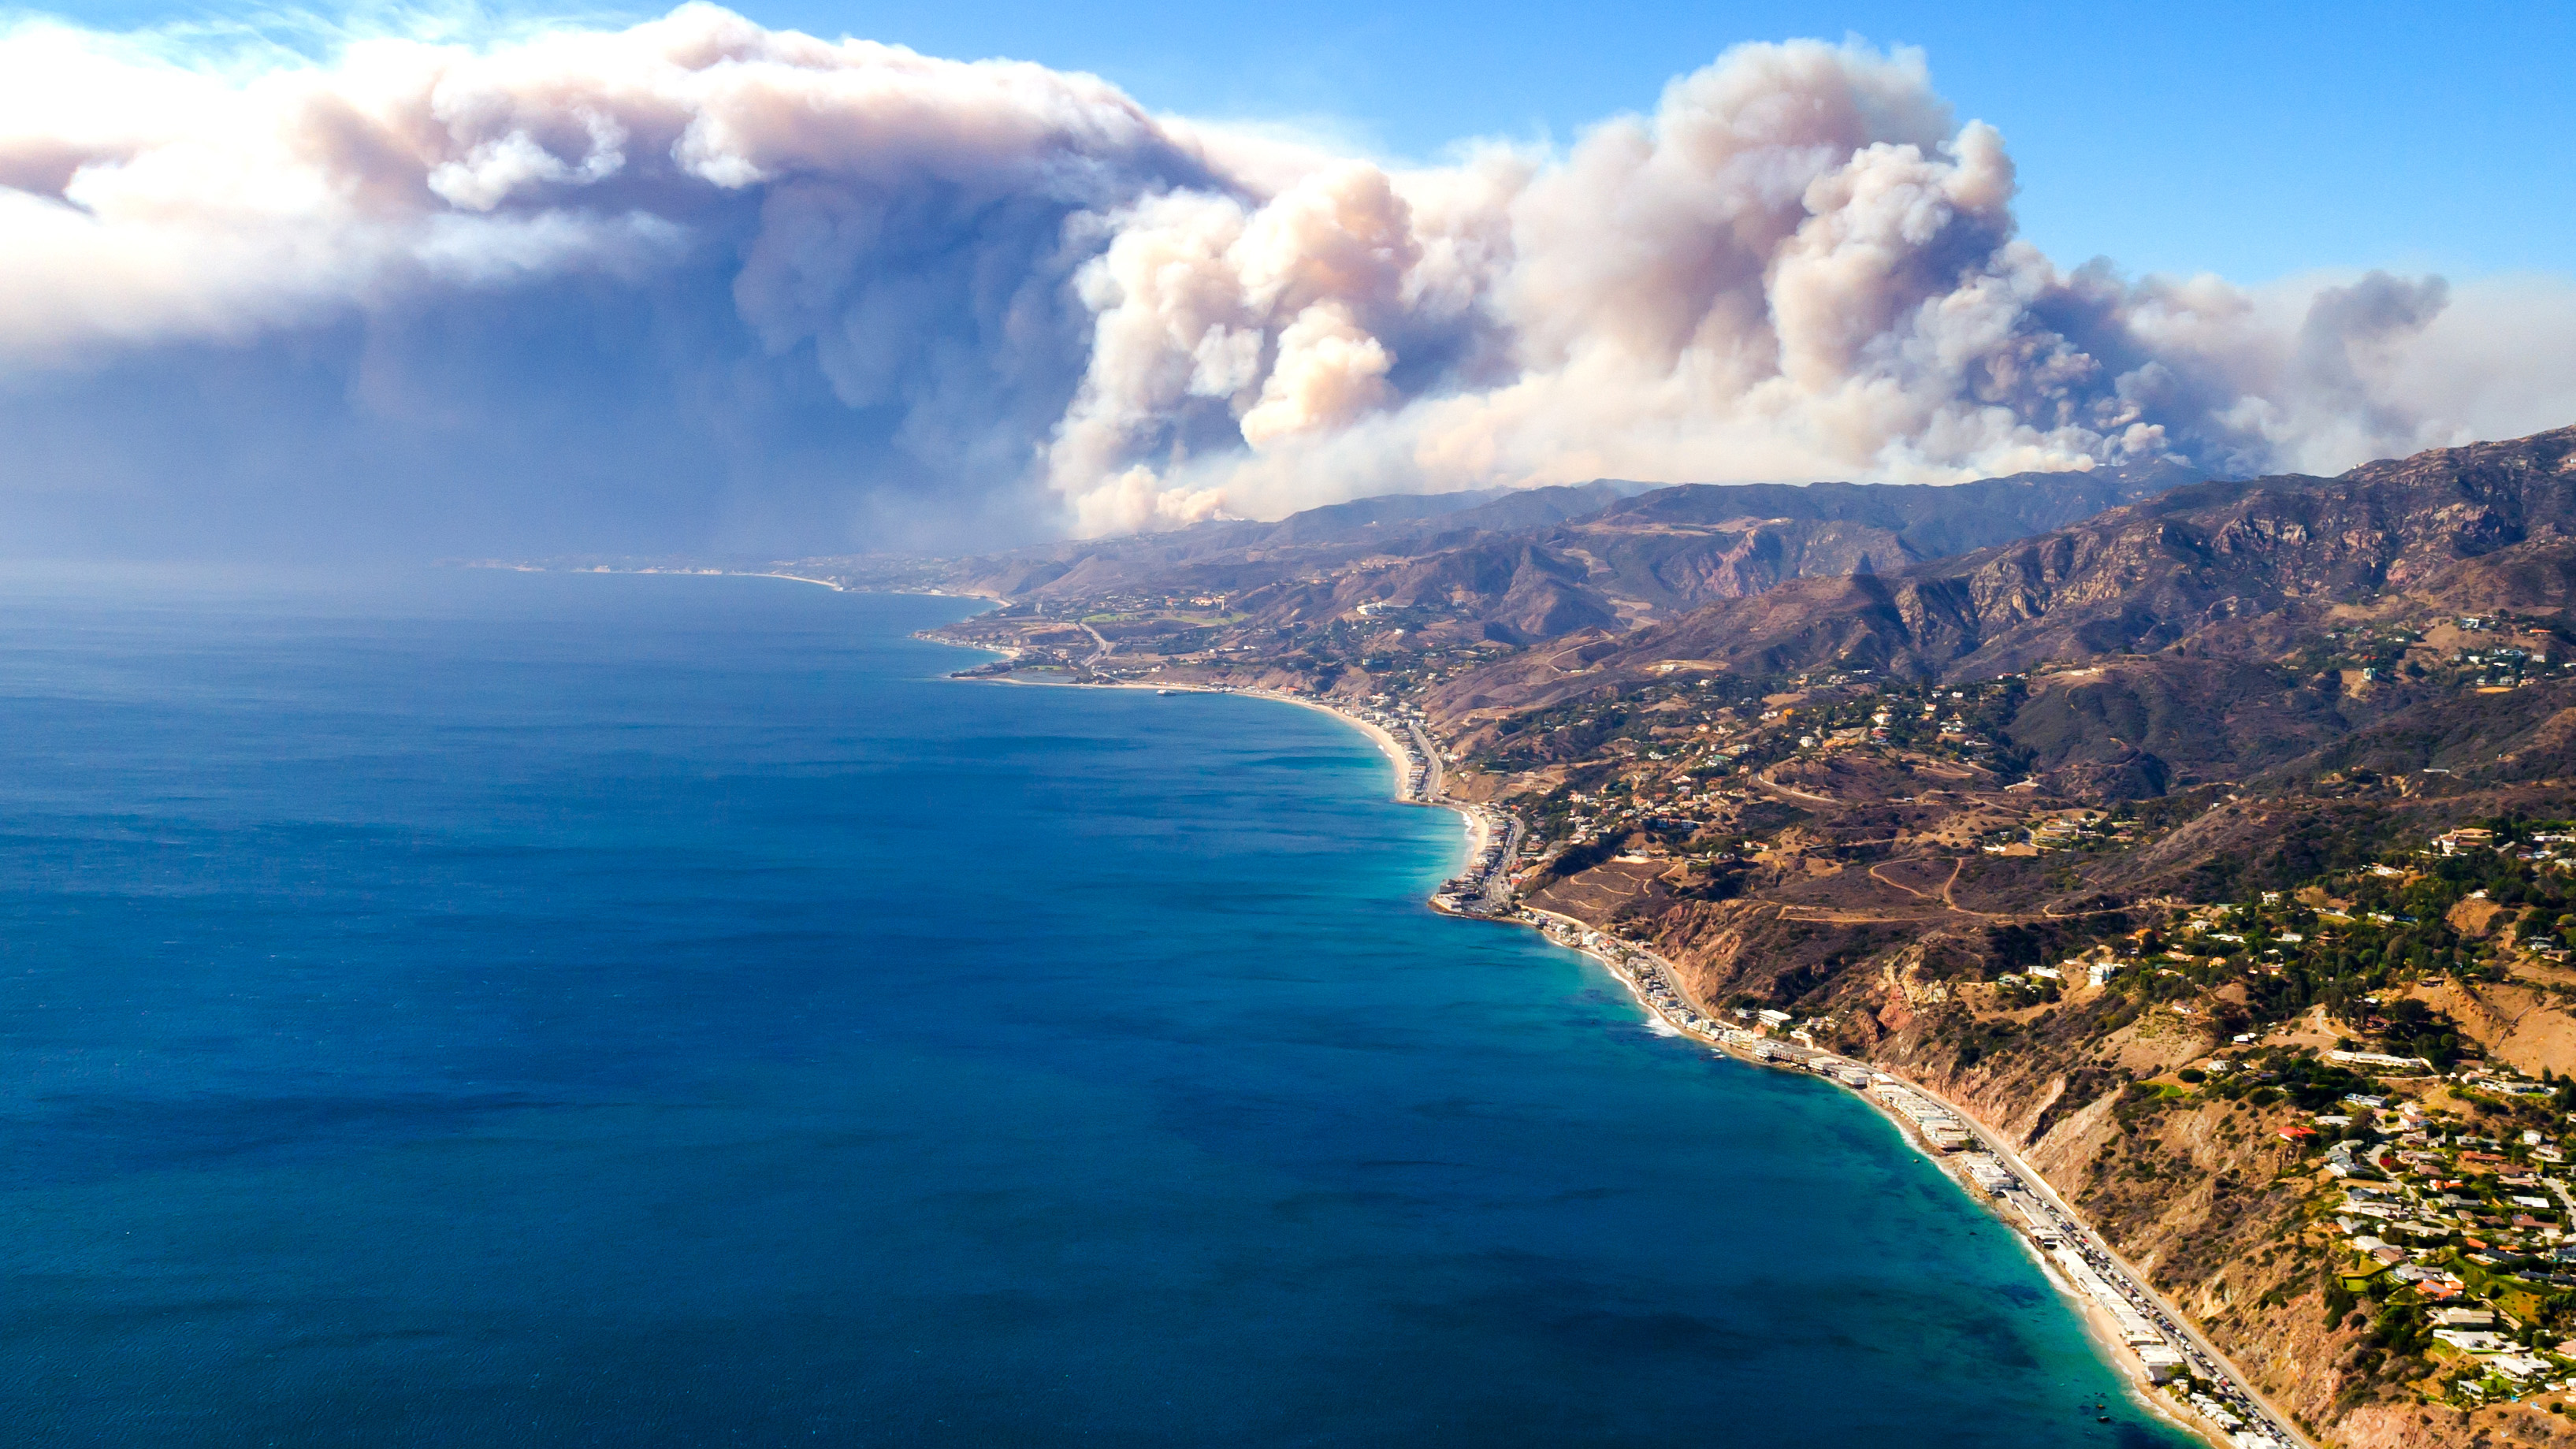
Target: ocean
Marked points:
472	1007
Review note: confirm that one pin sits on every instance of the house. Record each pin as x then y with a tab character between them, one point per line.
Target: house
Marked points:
2473	1340
2381	1060
2518	1365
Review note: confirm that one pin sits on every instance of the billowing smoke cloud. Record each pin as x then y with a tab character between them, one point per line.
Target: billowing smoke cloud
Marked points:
697	283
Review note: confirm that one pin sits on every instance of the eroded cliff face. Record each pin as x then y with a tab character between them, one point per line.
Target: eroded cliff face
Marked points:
2207	1199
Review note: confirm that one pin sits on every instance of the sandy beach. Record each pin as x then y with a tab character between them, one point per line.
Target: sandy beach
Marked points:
1478	831
2100	1328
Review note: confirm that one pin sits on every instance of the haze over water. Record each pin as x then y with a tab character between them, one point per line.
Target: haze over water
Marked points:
499	1008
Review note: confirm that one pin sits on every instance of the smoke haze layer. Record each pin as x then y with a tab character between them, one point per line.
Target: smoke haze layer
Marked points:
697	284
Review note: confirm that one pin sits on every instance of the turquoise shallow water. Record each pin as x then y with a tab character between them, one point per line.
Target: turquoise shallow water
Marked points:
489	1008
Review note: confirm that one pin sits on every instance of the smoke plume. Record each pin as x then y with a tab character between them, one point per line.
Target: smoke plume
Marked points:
697	283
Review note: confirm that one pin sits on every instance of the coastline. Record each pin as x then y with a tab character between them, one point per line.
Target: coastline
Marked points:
834	585
2101	1328
1651	981
2049	1230
797	579
1479	832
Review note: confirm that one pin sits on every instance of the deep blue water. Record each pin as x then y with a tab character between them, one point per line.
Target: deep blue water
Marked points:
488	1008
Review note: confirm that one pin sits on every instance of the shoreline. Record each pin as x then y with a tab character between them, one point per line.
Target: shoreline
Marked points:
1655	988
796	579
2102	1329
834	585
1479	832
2049	1229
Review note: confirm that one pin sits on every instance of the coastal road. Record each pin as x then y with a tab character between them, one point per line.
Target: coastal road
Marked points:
1104	651
1494	889
2236	1390
1498	881
1653	977
1431	771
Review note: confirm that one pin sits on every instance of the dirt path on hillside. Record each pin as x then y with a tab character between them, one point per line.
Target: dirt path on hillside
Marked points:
1947	887
1900	885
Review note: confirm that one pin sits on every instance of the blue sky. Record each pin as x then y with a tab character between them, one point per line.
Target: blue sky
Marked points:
2254	141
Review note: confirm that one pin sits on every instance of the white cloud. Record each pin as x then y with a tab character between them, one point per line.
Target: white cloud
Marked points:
1798	265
